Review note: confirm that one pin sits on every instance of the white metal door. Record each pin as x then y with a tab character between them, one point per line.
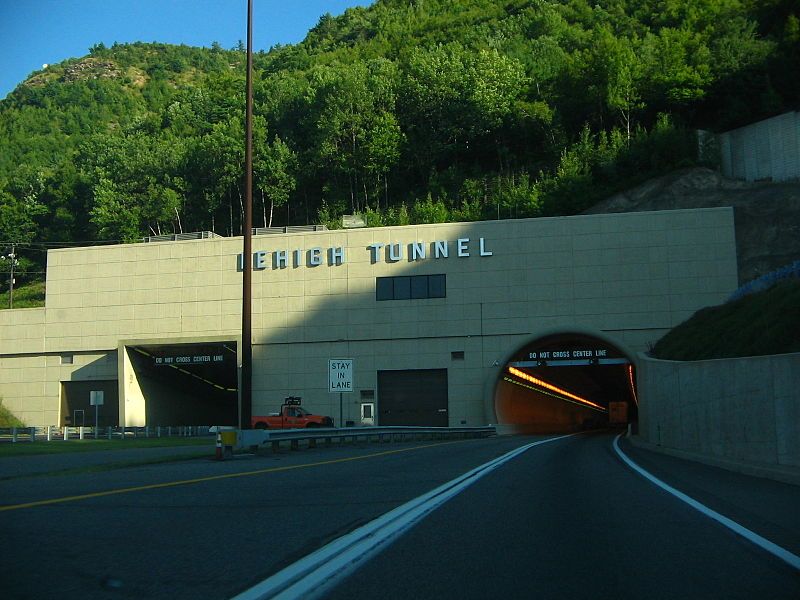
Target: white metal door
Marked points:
368	414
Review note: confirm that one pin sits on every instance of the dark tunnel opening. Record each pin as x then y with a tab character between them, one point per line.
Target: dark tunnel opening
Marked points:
187	384
565	383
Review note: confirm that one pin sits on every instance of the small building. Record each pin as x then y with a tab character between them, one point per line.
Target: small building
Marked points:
534	321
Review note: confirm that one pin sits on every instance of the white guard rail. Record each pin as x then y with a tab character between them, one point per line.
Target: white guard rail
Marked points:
52	432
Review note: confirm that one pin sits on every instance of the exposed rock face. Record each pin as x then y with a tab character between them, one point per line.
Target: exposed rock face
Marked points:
767	215
91	68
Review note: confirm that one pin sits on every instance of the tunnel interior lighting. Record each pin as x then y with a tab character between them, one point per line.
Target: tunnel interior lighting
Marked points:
552	390
633	384
556	396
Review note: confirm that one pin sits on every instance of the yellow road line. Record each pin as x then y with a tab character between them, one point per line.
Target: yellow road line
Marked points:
155	486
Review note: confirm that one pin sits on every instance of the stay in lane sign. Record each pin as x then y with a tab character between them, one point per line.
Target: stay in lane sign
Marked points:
340	375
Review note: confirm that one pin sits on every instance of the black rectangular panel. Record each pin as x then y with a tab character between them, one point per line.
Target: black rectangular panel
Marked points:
419	286
402	288
437	286
384	288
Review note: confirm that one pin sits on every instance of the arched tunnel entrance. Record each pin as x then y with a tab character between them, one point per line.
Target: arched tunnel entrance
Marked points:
566	382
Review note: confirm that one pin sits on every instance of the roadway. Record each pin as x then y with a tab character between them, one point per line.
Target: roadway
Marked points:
565	519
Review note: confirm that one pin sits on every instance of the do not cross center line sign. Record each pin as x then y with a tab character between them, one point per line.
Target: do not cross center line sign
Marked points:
340	375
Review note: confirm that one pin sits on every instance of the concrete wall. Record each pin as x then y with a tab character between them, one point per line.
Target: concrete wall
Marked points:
767	150
741	411
631	276
30	384
625	277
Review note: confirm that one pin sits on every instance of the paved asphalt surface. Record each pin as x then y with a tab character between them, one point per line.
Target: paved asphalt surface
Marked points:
568	520
12	467
564	520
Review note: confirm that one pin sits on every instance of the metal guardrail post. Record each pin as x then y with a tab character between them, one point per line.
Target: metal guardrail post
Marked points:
49	433
66	433
80	432
110	431
33	434
218	451
14	434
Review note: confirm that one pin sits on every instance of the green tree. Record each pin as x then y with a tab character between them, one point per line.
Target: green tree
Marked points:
354	129
624	77
677	67
274	171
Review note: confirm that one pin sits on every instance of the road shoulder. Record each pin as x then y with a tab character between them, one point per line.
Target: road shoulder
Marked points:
765	506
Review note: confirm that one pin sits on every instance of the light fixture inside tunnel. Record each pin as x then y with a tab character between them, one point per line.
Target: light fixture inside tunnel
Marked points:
552	390
633	384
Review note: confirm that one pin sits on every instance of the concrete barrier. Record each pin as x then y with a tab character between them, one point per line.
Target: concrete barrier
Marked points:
739	413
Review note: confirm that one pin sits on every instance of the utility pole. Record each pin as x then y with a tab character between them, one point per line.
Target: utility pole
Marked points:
13	258
13	262
246	392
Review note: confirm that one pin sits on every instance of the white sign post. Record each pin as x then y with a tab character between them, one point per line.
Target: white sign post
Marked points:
340	379
96	400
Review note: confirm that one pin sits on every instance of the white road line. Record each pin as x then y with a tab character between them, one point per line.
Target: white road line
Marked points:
316	573
782	553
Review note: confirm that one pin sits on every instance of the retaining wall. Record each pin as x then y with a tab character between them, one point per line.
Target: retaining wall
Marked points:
768	150
741	413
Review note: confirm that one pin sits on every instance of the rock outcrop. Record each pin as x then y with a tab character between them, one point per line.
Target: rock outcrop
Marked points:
767	215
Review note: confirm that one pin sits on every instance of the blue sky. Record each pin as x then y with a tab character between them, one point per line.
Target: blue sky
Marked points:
38	32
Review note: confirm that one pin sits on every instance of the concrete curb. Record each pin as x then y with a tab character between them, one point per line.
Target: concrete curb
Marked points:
789	475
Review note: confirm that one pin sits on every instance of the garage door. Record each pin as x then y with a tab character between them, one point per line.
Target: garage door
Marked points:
413	397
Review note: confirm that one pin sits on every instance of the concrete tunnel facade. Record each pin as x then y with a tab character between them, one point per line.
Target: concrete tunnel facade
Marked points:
430	315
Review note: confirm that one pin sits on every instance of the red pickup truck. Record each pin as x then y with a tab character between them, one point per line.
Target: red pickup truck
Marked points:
291	416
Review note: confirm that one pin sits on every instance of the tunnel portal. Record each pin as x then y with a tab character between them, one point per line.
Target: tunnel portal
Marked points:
183	384
564	383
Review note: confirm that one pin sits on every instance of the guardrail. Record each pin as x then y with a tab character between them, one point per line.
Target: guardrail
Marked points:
244	438
51	433
228	441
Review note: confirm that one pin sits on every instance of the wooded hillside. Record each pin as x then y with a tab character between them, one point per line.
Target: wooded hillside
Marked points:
406	111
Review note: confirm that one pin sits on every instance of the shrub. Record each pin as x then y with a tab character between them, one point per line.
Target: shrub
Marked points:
7	418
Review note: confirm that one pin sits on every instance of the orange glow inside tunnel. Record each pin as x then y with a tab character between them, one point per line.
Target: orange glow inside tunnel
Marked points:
533	406
562	393
633	385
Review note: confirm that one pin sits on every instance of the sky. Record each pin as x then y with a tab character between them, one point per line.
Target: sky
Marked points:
38	32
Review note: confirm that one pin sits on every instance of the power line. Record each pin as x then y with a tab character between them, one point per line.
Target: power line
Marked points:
68	244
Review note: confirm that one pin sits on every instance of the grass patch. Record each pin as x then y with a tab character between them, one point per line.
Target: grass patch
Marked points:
29	295
25	448
7	418
763	323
